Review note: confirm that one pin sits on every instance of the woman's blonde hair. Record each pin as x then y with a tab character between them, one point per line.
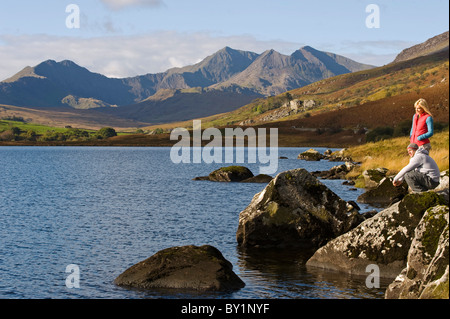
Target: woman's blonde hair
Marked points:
424	105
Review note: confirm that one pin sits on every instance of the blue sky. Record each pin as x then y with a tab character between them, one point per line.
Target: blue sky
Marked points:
121	38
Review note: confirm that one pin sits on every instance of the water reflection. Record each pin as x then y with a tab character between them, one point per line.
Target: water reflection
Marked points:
276	273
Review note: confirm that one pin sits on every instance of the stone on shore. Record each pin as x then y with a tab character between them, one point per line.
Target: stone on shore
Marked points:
186	267
384	193
383	240
373	177
295	209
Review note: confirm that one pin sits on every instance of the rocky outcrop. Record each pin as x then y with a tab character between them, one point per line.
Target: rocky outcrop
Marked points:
186	267
295	209
426	273
383	240
234	174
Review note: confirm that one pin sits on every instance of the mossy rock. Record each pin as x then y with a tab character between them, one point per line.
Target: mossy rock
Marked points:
311	155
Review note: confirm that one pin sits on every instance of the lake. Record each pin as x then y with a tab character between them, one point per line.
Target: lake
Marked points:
107	208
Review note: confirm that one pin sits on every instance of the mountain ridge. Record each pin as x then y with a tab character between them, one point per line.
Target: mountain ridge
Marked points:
50	82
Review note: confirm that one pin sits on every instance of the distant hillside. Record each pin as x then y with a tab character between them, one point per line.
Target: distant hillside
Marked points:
186	104
433	45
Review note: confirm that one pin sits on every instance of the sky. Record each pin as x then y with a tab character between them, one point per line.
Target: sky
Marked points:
124	38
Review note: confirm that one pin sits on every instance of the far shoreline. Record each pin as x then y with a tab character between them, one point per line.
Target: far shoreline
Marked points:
285	139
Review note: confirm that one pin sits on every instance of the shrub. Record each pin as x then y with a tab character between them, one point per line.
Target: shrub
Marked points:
402	129
106	132
379	133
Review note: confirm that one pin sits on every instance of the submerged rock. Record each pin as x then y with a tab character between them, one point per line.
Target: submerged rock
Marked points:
383	240
295	209
230	174
185	267
261	178
426	273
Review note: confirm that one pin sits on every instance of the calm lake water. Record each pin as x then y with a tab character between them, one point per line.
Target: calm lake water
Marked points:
106	208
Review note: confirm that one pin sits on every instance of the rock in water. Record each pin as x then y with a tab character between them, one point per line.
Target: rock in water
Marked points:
295	209
230	174
186	267
310	155
227	174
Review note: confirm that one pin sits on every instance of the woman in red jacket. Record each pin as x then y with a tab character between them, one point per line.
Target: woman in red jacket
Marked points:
422	125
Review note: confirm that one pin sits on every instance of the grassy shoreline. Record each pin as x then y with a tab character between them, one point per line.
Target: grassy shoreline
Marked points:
391	154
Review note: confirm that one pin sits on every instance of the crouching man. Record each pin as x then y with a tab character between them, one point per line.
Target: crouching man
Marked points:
422	172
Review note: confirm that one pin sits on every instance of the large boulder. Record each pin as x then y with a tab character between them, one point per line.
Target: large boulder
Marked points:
186	267
426	273
295	209
383	240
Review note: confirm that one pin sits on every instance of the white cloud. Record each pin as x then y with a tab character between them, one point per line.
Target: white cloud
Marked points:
120	4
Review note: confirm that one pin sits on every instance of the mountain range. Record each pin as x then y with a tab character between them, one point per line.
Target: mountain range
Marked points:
220	83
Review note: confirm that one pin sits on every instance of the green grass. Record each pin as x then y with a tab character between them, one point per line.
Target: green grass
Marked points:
23	126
